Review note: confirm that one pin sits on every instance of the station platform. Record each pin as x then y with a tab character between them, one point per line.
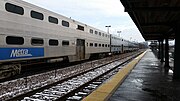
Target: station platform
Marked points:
146	81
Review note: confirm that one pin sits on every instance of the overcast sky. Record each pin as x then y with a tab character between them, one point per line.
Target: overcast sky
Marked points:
96	13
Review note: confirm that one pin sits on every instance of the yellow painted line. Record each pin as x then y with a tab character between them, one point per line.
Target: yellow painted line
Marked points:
103	92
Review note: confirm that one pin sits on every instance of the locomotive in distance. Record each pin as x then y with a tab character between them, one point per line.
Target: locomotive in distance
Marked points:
29	33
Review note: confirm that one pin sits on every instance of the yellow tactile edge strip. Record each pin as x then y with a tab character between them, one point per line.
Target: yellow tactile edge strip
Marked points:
103	92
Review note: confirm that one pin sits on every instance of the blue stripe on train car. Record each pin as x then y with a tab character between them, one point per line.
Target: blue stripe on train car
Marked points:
16	53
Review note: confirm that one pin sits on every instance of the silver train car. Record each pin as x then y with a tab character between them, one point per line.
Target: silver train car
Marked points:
31	33
120	45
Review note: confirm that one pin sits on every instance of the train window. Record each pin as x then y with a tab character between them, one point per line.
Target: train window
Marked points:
102	34
37	15
14	40
105	45
14	9
53	19
65	23
65	43
95	45
37	41
91	44
108	45
53	42
96	32
87	44
91	31
106	35
80	27
102	45
99	45
99	33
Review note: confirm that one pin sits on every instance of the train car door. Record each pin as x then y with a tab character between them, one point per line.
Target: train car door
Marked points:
80	49
122	48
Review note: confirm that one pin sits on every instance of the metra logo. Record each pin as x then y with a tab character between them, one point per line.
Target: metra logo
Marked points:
20	53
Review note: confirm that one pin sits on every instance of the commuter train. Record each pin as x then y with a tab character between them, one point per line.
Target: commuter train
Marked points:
31	34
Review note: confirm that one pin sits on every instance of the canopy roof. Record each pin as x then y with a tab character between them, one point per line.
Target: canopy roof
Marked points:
155	19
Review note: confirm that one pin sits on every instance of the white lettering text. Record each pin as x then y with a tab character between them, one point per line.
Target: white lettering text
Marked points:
20	53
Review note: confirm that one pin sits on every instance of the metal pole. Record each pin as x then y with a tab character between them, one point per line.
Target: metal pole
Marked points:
108	28
119	32
162	51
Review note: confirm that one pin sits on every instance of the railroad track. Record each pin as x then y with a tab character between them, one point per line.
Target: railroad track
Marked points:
58	89
84	90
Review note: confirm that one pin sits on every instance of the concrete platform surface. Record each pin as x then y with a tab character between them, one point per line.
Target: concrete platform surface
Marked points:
103	92
148	82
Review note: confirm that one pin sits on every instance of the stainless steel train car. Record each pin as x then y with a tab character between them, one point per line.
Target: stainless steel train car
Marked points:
120	45
117	44
31	33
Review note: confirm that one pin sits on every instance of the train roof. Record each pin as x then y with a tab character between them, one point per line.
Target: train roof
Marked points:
45	11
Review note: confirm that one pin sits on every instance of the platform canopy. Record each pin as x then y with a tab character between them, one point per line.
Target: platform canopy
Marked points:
155	19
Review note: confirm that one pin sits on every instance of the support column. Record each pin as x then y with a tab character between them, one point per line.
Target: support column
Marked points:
166	66
176	70
162	51
159	49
